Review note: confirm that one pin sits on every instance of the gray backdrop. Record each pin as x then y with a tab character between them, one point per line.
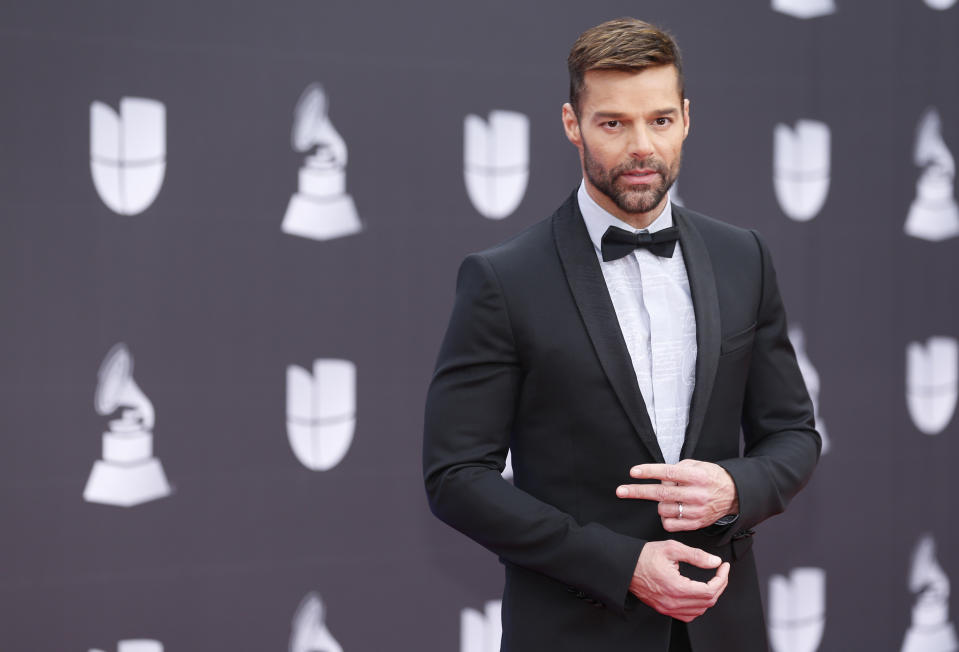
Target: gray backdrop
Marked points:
214	301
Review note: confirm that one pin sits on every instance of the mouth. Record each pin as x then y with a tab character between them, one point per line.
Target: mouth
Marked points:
640	177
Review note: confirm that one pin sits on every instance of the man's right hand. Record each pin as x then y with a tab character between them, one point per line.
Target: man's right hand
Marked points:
657	582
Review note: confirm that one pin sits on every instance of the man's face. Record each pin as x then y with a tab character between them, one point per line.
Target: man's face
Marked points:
630	132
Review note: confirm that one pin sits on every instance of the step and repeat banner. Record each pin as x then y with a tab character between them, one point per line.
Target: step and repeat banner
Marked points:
229	234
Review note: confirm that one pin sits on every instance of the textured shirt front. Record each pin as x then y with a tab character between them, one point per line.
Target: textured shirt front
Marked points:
654	308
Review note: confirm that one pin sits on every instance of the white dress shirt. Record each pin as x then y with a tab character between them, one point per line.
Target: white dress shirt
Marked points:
655	312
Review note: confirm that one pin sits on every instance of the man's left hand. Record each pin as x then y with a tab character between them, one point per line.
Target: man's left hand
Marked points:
692	494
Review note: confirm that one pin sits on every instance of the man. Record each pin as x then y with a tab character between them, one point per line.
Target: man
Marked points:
619	369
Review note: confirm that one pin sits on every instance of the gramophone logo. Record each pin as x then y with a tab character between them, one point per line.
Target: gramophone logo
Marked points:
496	161
321	209
138	645
811	377
797	610
128	474
932	371
128	153
941	5
801	168
309	628
481	632
933	214
931	629
321	412
804	8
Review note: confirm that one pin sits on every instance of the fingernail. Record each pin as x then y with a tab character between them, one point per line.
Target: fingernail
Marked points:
622	492
714	560
636	471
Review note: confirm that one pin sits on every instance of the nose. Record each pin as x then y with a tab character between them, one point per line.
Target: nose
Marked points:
640	145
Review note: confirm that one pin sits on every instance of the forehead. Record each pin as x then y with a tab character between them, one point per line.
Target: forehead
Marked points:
627	91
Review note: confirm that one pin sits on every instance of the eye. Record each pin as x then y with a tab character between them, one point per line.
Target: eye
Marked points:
662	122
611	124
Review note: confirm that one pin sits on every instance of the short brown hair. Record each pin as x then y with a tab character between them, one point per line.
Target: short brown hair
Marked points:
621	44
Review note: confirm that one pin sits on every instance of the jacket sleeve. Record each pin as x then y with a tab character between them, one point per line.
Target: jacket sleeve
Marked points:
781	445
468	424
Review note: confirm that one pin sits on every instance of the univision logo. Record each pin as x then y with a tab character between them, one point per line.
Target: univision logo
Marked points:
496	162
931	630
128	153
321	412
804	8
797	610
811	378
137	645
481	632
309	631
932	383
801	168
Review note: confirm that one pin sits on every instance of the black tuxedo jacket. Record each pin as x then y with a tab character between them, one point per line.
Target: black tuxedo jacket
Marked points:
534	361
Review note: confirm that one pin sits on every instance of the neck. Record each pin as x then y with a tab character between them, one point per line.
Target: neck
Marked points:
635	220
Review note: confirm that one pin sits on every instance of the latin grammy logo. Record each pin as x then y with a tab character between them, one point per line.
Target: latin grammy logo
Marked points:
811	378
321	412
496	162
940	5
310	633
933	214
321	209
128	474
138	645
801	168
797	610
804	8
128	153
481	632
932	383
931	629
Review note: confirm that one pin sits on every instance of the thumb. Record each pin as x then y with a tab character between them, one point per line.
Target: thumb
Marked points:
694	556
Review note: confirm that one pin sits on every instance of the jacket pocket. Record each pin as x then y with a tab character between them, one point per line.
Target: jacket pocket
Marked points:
739	340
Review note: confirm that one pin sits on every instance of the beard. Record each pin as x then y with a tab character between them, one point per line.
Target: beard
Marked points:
631	198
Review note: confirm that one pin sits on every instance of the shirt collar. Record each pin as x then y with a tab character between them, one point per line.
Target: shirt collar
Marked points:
599	219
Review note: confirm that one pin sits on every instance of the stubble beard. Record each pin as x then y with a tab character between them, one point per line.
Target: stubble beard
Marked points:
630	198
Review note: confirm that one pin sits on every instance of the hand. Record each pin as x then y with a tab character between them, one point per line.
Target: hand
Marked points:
657	582
705	490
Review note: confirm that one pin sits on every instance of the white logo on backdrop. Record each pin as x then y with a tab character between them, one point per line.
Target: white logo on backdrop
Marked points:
128	474
321	209
932	371
508	469
481	632
941	5
310	633
801	168
933	214
128	153
496	161
321	412
138	645
931	630
797	610
805	8
811	377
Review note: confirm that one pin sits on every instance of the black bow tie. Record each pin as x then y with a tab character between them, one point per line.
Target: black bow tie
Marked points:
619	242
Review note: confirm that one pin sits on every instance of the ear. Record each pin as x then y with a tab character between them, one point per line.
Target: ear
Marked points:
685	118
571	125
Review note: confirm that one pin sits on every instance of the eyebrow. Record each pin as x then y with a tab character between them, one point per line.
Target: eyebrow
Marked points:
616	115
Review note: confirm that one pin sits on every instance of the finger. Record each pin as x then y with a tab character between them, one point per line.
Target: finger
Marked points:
669	472
720	580
660	492
682	524
694	556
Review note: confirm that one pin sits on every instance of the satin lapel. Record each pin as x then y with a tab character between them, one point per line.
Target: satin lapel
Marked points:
702	285
596	308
